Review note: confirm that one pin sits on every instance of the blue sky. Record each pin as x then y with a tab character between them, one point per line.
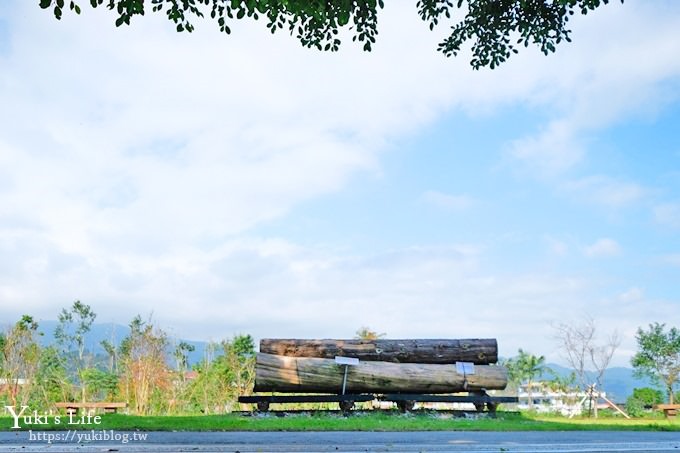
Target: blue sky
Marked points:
244	184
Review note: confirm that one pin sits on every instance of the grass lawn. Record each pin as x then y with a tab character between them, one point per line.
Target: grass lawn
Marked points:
356	422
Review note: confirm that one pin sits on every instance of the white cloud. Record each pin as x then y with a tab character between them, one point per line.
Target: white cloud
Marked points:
447	201
673	259
595	85
550	153
605	191
633	294
557	246
276	288
668	214
272	287
601	248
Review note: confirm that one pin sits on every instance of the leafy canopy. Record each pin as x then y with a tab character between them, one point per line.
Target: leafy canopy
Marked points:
658	355
526	367
495	28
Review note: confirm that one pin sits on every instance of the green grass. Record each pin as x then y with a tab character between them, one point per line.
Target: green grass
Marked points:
357	422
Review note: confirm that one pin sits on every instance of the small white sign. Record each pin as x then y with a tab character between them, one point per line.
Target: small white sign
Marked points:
346	360
465	368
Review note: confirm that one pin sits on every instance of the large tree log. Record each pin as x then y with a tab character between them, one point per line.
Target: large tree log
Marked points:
478	351
274	373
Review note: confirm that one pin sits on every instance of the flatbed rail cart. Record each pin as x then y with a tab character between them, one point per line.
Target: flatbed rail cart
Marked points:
405	401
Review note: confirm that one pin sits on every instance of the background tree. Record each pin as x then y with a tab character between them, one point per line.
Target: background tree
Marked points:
112	354
643	399
51	380
527	368
565	386
208	385
239	361
514	378
20	359
365	333
496	28
70	333
145	373
582	350
179	388
101	385
181	355
230	374
658	356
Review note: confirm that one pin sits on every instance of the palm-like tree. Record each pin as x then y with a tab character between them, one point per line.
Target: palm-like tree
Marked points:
527	368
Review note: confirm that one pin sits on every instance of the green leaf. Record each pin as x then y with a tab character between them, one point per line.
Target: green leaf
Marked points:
343	18
45	3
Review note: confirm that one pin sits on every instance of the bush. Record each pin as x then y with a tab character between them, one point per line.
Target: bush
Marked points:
648	396
642	400
635	407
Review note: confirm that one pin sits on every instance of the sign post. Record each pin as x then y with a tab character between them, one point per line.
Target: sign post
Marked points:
347	362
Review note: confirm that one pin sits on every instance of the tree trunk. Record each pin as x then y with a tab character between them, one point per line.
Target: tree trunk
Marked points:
477	351
669	389
275	373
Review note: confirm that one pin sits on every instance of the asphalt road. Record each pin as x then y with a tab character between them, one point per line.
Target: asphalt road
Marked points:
25	441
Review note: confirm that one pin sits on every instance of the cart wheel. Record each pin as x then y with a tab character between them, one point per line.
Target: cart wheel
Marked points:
406	406
263	406
346	406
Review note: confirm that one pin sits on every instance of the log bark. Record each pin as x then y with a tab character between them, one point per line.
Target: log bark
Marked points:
274	373
477	351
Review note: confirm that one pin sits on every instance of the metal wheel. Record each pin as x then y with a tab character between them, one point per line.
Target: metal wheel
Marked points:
263	406
406	406
346	406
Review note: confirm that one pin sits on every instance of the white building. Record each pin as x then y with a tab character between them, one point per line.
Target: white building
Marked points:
547	400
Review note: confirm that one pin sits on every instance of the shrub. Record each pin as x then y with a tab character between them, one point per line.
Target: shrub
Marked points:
642	400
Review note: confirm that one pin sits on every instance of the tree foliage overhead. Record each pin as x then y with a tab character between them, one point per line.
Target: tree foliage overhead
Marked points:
495	28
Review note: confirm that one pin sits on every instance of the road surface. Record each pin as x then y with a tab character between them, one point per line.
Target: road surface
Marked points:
553	442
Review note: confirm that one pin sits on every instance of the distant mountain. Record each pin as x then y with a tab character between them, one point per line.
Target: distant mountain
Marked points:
114	333
99	332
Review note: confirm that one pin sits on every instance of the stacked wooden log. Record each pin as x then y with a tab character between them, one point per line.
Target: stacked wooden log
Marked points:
385	366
